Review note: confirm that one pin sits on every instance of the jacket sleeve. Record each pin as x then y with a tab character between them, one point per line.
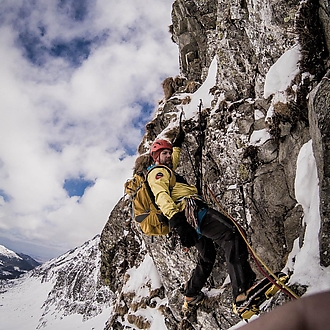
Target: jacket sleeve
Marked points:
176	157
159	182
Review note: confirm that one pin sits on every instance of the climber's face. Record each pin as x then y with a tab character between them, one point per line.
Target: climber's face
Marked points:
165	158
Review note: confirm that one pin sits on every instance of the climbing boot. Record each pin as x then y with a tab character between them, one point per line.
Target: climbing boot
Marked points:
244	295
194	302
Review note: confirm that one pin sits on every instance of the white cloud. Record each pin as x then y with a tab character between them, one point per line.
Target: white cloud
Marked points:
60	119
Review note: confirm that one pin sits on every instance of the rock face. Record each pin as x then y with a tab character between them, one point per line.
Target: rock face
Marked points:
253	179
77	286
320	129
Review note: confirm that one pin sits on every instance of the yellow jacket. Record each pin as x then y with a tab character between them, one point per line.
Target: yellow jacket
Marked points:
167	191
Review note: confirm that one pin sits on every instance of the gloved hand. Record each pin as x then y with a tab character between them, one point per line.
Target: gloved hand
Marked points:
188	235
179	138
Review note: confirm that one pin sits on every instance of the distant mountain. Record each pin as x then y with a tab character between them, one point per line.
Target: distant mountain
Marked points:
63	293
13	265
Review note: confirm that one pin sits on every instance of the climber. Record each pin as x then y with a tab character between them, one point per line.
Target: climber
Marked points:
180	204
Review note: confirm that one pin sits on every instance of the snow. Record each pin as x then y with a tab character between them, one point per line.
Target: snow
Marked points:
21	307
37	302
203	92
258	114
307	269
22	304
259	137
280	77
279	97
142	280
141	277
282	72
8	253
156	319
191	109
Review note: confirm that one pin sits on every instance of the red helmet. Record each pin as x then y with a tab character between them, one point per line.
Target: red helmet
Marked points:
158	146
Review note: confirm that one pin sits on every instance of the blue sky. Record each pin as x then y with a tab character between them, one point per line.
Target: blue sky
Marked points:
79	80
77	186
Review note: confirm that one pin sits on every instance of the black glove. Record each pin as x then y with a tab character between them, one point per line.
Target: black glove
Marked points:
188	235
179	139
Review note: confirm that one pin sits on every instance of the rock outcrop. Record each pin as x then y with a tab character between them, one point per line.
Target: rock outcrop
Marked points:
252	178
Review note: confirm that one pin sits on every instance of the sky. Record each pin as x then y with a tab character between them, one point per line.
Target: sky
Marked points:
79	80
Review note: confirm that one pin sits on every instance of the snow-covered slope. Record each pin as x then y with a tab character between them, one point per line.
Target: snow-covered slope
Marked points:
13	265
64	293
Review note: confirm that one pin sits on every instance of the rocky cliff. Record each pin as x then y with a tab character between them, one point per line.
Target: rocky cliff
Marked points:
252	177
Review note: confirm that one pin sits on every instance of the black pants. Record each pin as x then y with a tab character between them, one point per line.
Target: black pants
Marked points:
217	228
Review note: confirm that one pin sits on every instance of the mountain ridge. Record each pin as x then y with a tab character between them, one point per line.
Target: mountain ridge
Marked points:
13	265
66	286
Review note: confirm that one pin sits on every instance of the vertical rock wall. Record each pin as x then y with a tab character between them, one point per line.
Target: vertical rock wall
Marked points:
254	182
320	130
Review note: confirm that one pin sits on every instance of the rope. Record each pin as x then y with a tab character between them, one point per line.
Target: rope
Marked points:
260	264
200	145
198	173
187	149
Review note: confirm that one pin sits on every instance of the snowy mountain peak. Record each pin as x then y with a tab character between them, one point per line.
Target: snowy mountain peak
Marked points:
69	285
4	252
13	265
